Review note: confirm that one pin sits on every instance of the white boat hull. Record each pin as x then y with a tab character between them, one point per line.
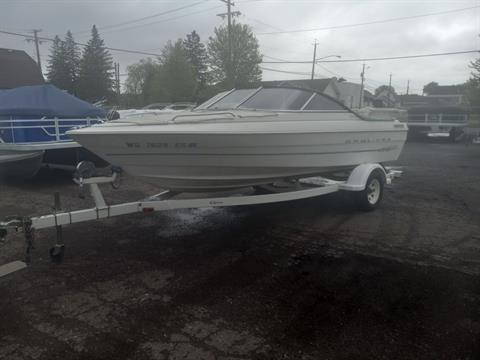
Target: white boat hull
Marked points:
205	156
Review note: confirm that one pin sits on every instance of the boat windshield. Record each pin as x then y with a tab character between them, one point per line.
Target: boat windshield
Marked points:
211	101
277	99
232	100
273	99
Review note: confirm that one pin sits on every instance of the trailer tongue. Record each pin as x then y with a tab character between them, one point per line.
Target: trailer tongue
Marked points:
365	181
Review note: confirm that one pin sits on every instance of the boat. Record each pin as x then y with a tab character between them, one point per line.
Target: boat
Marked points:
21	164
245	137
33	125
155	109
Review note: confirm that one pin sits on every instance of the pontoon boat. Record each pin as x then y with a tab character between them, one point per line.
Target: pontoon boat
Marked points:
33	122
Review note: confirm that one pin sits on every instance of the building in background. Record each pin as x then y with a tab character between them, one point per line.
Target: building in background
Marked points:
444	111
17	68
350	94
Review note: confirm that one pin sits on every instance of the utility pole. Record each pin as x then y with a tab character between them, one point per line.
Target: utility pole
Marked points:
117	80
37	49
408	86
229	14
390	87
362	75
314	58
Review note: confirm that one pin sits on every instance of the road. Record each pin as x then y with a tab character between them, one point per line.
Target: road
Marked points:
310	279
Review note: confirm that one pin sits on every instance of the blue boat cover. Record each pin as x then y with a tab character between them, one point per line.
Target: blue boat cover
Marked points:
45	101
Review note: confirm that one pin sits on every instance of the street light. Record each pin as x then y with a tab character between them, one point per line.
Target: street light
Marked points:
326	57
316	60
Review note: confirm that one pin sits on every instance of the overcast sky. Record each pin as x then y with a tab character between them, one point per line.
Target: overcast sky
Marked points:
449	32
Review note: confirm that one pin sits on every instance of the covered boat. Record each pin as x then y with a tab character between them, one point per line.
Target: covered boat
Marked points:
33	125
245	137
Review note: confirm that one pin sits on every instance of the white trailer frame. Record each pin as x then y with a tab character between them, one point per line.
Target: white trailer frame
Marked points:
301	189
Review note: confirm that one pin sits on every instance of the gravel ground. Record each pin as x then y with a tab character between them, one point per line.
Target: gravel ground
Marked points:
310	279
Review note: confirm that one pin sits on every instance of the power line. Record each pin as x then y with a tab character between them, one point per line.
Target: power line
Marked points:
289	72
263	23
284	71
81	44
304	73
274	58
145	17
369	22
367	81
163	20
376	59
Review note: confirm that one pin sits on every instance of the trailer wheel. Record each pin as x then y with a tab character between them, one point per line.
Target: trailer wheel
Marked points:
369	198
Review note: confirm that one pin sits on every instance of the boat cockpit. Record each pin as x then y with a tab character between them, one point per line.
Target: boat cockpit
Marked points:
273	99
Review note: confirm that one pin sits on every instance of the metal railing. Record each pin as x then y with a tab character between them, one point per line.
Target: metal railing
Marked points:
438	118
17	131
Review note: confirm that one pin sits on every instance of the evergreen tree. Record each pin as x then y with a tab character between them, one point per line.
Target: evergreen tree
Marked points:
197	55
72	62
57	73
243	68
95	77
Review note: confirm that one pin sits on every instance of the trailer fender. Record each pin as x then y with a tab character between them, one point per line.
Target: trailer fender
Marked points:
359	176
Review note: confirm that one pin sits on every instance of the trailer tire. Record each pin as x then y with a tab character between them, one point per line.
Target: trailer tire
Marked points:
369	198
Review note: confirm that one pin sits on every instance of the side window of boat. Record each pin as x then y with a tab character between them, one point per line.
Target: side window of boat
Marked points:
320	102
278	99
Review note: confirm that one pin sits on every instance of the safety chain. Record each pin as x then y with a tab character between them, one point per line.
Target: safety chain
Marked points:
29	238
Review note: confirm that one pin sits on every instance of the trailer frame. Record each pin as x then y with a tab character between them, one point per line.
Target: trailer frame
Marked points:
278	192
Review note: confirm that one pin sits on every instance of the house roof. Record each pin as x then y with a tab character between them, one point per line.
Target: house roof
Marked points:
316	84
18	69
414	101
445	90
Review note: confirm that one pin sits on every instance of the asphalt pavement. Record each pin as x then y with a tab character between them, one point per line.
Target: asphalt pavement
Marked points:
309	279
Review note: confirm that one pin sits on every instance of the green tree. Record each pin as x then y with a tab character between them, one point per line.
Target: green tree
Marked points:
176	79
472	86
242	68
72	62
57	72
197	55
95	78
381	88
427	89
475	66
63	64
140	81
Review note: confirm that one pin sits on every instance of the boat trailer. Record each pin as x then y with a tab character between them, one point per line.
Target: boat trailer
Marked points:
358	181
